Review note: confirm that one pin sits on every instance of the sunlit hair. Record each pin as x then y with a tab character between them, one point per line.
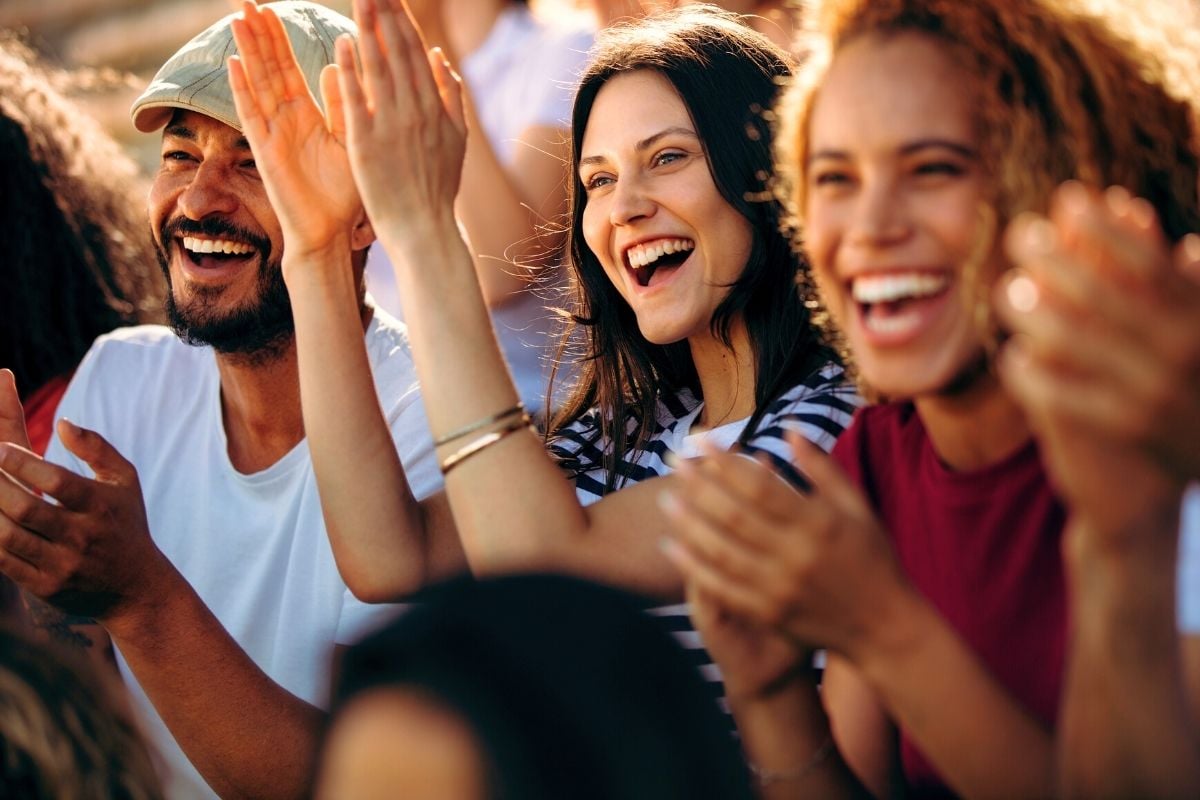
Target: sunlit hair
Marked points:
1089	90
63	731
727	76
76	248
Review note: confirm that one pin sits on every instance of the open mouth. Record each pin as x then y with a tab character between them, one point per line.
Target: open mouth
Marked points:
206	253
658	257
893	302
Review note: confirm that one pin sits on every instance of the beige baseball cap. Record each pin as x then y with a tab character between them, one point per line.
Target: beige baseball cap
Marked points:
196	78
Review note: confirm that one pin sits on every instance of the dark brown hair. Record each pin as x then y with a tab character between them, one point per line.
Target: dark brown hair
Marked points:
727	76
77	255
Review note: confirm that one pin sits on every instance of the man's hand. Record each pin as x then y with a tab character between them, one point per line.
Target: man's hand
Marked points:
12	415
91	554
301	157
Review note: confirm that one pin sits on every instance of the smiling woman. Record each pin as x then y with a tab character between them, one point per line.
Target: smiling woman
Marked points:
929	559
709	342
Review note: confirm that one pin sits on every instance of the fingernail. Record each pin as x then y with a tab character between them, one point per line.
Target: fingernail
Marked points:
1022	293
670	548
1142	213
669	503
1118	199
1191	247
1073	197
672	460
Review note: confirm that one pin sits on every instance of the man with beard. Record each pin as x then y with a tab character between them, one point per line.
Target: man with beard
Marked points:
186	520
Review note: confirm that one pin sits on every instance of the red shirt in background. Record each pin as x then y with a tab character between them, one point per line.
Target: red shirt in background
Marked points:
982	546
40	408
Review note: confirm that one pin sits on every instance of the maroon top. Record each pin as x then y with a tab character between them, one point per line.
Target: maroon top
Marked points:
982	546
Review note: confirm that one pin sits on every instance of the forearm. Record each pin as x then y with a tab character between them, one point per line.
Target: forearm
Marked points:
1126	729
375	525
787	739
515	509
499	495
938	692
245	734
510	221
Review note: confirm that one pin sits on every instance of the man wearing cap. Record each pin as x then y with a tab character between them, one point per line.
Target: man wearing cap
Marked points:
199	544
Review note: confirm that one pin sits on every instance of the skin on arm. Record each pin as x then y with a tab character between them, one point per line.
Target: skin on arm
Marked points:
819	569
771	689
91	555
306	171
1106	317
510	212
512	505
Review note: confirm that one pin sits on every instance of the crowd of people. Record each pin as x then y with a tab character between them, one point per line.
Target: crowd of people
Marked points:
788	402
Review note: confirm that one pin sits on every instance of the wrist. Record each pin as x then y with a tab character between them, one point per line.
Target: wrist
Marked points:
899	629
419	236
779	732
139	612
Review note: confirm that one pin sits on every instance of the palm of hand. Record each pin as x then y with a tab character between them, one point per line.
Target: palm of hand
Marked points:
307	175
753	659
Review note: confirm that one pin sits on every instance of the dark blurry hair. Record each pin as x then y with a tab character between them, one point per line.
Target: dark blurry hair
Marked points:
63	732
727	76
76	247
571	688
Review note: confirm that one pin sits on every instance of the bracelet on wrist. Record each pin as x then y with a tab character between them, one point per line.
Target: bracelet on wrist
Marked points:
769	777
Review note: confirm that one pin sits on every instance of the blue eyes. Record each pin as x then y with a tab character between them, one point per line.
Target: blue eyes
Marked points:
662	159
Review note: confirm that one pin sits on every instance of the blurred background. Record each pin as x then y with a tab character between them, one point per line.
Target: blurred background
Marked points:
113	47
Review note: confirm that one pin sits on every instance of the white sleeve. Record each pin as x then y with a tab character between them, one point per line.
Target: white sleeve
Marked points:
1187	586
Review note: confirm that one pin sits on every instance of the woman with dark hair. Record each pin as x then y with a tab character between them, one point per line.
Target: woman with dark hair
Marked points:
77	254
686	293
531	687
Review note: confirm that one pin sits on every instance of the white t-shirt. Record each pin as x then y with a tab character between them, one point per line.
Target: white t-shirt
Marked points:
1188	578
254	547
523	75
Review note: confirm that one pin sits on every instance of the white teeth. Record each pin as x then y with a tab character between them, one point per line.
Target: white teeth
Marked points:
216	246
645	254
892	324
892	286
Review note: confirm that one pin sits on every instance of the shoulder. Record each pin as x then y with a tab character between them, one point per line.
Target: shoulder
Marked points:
135	357
820	407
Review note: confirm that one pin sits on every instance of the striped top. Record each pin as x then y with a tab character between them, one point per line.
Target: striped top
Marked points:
820	408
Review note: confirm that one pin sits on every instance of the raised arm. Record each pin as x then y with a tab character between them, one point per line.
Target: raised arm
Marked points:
511	212
1108	365
385	542
819	569
514	508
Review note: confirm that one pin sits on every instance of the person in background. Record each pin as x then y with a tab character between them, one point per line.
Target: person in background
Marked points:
177	506
934	559
520	72
531	687
78	259
686	297
775	19
65	730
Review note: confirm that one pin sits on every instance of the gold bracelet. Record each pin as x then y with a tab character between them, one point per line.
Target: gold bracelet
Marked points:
519	408
768	777
483	443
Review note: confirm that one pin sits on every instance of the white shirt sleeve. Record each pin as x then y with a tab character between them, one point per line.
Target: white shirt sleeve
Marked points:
1187	585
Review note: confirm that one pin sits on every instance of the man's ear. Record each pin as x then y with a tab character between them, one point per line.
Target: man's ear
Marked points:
362	235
